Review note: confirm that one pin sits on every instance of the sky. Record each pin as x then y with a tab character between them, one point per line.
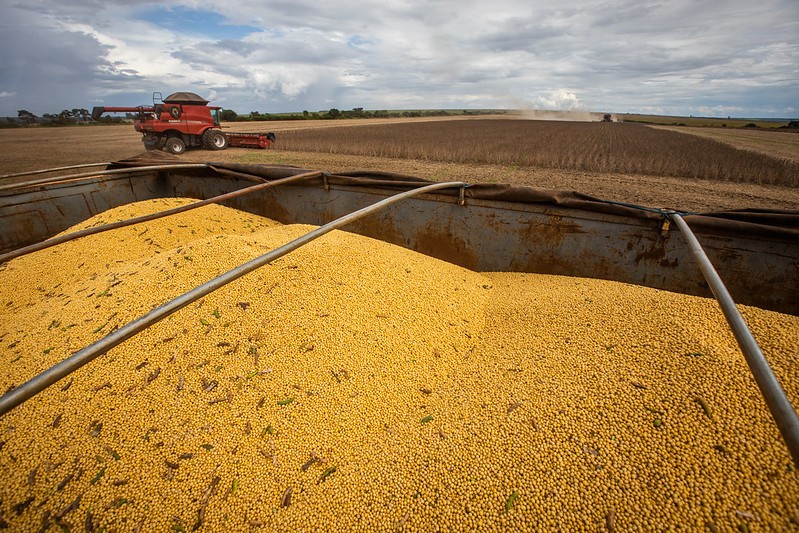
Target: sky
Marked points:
722	58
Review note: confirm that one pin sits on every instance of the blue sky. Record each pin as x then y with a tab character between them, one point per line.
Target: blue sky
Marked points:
202	25
676	57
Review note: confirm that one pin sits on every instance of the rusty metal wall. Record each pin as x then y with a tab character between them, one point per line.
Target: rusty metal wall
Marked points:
500	236
482	235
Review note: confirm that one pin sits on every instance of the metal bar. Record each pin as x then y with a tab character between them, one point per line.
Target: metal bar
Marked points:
56	169
40	382
781	409
111	172
8	256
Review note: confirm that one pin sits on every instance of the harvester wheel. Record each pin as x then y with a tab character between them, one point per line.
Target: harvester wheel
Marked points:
175	145
214	140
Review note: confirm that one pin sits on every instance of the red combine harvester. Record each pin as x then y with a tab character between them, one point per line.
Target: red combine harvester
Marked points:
184	120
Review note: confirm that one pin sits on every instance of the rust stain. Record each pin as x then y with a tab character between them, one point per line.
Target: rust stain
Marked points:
267	206
655	253
435	238
384	228
498	223
440	242
543	241
552	232
22	229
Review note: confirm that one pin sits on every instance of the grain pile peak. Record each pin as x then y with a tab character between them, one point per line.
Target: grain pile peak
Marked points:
355	385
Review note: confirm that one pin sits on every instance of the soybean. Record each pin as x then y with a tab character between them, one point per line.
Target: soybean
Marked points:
423	429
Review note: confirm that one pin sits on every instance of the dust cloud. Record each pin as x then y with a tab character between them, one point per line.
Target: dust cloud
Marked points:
575	116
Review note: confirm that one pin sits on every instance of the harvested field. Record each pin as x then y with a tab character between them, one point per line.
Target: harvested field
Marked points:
36	148
582	146
778	144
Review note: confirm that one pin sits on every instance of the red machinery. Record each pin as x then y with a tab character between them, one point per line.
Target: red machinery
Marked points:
184	120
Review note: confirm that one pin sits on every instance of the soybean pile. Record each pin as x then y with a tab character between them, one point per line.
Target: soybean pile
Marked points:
356	385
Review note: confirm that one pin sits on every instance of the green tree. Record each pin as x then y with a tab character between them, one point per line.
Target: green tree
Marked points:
228	115
82	114
65	117
26	116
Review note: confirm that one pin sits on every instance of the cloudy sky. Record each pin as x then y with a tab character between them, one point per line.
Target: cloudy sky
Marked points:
676	57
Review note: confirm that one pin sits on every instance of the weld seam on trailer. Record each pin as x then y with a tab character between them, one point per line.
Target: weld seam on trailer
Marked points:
19	252
777	401
127	170
38	383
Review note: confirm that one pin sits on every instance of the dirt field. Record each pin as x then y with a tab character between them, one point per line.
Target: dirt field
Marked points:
39	148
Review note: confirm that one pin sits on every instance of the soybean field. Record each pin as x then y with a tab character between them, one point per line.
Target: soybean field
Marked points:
582	146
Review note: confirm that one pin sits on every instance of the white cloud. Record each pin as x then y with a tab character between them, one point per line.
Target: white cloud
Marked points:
279	80
560	100
680	56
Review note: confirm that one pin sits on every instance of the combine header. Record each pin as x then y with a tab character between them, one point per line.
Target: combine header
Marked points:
184	120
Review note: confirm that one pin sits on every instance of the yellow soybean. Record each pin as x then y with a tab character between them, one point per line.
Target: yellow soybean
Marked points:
604	430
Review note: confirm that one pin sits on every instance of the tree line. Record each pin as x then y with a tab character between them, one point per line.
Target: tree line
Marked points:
82	116
65	117
228	115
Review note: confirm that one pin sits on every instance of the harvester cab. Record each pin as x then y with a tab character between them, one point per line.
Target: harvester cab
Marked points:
184	120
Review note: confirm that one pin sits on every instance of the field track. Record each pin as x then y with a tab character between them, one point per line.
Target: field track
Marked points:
37	148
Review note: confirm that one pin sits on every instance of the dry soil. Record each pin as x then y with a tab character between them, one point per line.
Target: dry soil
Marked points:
35	148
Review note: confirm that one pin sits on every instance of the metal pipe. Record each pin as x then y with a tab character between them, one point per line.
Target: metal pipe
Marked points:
111	172
233	173
40	382
781	409
8	256
56	169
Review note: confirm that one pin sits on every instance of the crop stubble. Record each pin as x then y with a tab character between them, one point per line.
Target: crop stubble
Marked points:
37	148
581	146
